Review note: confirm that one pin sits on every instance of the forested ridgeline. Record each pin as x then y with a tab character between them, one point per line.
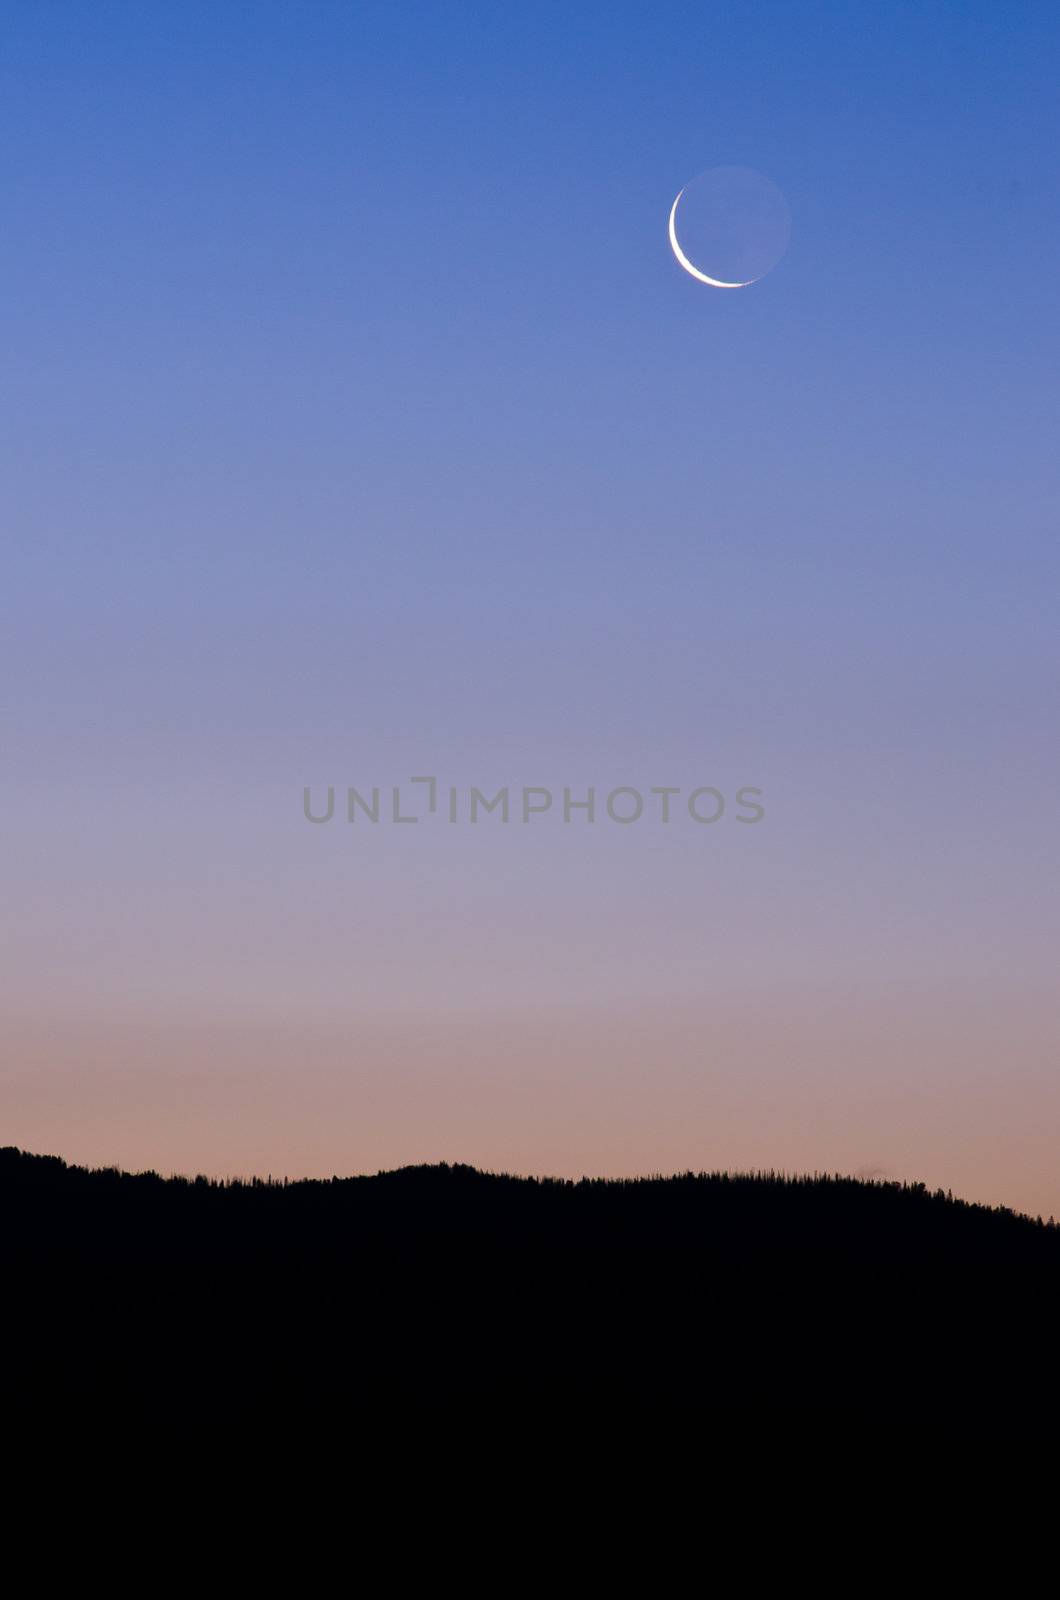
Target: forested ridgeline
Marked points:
159	1301
54	1209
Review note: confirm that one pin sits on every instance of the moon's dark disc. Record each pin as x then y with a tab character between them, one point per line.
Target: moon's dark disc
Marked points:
731	225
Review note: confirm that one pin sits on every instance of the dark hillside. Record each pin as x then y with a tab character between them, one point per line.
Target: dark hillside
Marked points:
741	1295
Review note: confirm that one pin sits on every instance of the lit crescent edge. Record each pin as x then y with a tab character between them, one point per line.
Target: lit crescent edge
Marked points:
715	283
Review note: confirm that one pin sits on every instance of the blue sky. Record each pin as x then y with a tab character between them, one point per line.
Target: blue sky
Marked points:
357	420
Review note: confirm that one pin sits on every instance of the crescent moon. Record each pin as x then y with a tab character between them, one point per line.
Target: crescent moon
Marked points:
715	283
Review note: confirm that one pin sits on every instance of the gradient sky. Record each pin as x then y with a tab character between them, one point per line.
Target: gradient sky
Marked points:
357	422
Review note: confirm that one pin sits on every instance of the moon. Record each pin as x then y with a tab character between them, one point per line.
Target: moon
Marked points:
715	283
734	222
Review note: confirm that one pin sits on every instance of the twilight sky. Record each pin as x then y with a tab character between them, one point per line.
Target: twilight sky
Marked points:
358	423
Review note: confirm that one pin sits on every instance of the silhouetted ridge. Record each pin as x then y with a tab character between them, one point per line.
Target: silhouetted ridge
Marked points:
446	1284
96	1214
